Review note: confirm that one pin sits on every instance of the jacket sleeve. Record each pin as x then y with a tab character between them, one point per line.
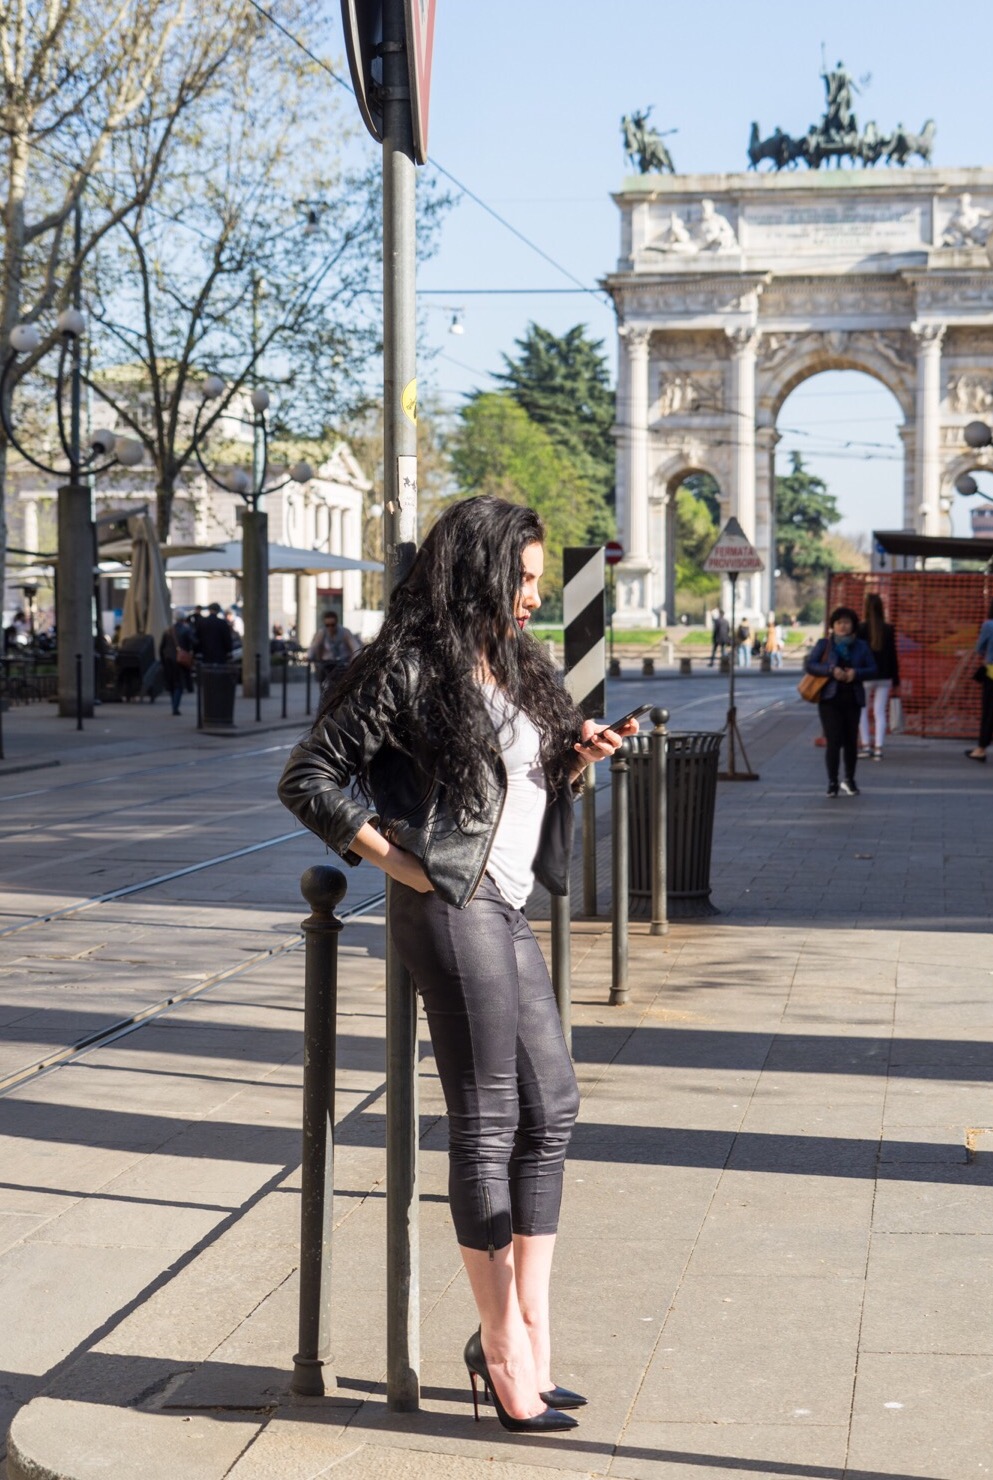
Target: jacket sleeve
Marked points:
816	663
863	661
320	768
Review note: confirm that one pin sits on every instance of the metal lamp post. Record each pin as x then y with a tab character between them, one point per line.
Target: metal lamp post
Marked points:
76	537
254	528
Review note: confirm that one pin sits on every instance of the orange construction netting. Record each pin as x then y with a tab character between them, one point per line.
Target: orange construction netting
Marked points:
937	617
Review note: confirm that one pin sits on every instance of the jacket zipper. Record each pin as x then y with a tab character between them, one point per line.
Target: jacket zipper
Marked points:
489	1223
489	846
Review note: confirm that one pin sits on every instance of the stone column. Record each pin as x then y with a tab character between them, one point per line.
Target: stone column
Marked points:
767	439
743	342
928	480
634	600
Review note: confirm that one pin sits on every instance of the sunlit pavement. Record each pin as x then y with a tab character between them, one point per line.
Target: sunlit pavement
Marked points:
775	1247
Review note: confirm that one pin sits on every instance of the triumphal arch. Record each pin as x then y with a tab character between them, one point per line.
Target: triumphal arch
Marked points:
732	289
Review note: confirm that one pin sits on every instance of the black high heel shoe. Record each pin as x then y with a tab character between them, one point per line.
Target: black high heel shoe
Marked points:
560	1397
545	1422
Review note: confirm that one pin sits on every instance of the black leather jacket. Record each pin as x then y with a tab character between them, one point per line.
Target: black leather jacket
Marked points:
410	800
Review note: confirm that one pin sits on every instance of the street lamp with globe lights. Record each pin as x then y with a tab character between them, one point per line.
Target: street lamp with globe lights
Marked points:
978	436
76	541
251	487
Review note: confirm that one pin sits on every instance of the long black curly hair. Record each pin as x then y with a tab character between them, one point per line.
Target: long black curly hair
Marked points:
454	609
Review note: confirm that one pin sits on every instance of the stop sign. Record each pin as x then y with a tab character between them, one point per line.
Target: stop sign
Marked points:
613	552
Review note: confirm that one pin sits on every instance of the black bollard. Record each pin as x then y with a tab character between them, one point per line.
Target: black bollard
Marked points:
309	670
323	888
258	687
79	691
198	685
589	843
286	665
658	829
619	768
562	962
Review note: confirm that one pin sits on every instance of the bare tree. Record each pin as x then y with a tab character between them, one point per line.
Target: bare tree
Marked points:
76	76
258	259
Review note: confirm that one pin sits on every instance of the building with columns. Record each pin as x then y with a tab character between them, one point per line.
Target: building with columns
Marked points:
730	290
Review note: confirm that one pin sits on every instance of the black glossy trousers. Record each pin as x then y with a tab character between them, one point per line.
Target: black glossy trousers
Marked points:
505	1071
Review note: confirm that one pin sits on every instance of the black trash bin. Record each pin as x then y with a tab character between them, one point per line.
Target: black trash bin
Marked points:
217	689
691	798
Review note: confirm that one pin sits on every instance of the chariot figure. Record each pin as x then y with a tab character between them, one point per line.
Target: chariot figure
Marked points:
644	146
839	111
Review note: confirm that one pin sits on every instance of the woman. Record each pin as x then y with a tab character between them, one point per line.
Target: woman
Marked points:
984	647
774	642
878	633
176	657
454	725
846	662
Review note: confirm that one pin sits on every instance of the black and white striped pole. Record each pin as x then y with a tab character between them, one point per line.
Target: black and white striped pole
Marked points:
584	614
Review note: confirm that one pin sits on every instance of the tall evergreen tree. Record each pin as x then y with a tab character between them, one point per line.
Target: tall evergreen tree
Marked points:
805	511
563	384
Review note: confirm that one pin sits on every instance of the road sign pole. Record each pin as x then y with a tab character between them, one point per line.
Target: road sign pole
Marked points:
733	554
400	541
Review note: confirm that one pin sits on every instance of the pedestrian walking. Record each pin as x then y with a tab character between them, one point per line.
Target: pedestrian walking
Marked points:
743	642
774	642
984	647
879	634
332	649
721	635
460	737
846	662
176	657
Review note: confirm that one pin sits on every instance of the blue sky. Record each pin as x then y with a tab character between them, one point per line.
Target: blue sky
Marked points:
525	109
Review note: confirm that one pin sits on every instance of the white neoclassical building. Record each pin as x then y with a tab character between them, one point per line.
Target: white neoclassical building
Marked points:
732	289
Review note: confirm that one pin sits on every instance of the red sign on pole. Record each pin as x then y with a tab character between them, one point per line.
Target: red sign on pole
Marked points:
420	46
613	552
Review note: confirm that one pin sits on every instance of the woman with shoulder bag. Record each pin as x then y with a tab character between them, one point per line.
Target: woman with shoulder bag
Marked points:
455	727
984	647
176	657
846	662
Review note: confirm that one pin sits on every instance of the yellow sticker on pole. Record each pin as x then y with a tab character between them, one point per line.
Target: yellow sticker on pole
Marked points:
409	401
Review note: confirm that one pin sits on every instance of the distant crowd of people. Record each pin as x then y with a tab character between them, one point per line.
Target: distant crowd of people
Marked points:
212	637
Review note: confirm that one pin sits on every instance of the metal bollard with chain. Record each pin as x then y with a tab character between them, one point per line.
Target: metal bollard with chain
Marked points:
657	746
619	768
323	888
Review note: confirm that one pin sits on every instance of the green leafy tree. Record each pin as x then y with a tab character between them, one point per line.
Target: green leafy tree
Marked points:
498	448
805	511
696	533
563	383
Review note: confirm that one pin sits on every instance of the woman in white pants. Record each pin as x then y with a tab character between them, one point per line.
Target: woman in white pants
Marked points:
878	633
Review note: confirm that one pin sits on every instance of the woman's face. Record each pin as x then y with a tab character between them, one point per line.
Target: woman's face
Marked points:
842	627
532	568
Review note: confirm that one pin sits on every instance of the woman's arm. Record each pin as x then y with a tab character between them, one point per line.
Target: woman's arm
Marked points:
864	662
815	663
597	745
395	862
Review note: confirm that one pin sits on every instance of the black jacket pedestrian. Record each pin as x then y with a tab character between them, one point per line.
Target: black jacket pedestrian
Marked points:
214	639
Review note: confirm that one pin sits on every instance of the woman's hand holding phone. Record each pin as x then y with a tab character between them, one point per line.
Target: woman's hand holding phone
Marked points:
599	744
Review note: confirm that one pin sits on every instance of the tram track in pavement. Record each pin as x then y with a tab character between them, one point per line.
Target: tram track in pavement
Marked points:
71	1053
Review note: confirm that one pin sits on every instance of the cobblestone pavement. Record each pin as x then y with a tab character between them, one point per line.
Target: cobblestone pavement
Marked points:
775	1256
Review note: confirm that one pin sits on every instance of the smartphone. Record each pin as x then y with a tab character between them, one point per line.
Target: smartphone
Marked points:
634	714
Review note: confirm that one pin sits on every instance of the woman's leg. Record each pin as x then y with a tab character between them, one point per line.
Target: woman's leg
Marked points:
864	739
549	1104
832	727
880	700
850	737
986	723
464	964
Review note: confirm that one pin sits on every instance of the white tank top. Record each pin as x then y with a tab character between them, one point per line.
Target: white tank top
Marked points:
515	841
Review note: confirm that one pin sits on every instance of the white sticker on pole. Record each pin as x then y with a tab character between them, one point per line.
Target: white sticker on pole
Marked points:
407	499
734	552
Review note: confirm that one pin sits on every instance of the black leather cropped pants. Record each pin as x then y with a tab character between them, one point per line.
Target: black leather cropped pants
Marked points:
505	1071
